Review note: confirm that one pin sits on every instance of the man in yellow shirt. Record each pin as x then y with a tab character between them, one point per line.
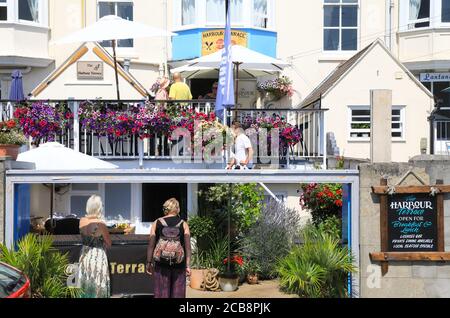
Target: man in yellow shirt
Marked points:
179	90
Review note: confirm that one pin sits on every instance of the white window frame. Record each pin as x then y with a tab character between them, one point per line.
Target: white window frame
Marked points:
13	14
100	191
119	48
368	130
435	17
340	27
201	21
357	130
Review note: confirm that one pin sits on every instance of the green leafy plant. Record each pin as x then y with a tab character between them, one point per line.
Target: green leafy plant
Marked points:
201	227
246	203
44	266
251	267
216	253
331	226
317	269
271	237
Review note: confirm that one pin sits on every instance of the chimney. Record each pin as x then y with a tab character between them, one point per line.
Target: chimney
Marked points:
380	125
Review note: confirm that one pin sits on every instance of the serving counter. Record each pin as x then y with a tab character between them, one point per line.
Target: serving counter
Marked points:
127	260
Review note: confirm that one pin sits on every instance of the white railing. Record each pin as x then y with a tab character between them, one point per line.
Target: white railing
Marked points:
311	123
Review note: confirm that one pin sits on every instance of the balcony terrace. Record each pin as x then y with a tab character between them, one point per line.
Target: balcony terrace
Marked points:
89	127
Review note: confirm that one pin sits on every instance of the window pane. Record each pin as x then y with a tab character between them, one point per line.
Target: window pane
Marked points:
331	16
215	12
445	10
3	14
78	205
118	200
332	1
260	18
349	40
331	39
187	12
442	98
349	1
106	8
125	11
419	9
29	10
361	112
349	16
85	187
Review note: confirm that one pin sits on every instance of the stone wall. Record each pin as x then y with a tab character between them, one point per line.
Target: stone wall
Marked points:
404	279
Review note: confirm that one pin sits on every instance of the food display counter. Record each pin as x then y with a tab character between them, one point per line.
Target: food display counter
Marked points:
127	260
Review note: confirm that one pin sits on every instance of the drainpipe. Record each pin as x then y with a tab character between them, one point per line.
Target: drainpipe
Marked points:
388	35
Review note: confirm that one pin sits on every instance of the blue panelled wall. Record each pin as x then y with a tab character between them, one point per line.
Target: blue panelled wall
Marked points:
21	210
187	44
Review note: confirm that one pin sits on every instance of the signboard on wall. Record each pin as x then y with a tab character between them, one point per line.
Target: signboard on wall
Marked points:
89	70
247	93
212	40
434	77
412	223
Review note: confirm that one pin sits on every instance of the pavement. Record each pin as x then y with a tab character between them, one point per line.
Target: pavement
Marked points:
265	289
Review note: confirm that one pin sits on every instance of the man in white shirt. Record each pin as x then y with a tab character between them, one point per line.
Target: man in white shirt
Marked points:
242	157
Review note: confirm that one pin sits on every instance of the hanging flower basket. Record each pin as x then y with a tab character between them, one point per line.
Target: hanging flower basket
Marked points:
277	88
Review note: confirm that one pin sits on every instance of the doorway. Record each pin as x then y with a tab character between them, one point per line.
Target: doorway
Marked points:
154	196
201	86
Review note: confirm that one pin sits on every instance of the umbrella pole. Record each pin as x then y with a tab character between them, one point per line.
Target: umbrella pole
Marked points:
52	199
236	83
229	228
115	68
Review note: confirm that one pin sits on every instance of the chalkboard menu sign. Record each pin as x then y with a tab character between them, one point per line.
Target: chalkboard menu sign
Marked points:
412	223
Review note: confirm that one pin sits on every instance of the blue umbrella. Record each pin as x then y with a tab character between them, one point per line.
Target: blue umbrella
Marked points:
16	92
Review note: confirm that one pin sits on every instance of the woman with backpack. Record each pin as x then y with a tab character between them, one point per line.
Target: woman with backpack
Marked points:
169	253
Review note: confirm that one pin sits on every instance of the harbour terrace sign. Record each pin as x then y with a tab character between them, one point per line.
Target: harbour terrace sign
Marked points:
411	223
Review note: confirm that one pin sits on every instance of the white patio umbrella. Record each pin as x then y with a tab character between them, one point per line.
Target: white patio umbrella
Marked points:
243	58
54	156
113	28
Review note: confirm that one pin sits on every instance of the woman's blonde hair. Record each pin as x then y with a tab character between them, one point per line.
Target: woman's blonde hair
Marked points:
94	207
171	206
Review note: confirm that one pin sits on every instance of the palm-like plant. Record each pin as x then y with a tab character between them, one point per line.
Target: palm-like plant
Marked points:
319	268
44	266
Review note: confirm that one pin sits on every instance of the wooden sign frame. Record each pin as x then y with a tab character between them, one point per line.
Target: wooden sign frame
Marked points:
385	256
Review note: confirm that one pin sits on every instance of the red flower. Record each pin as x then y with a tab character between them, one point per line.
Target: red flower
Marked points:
11	123
43	123
338	203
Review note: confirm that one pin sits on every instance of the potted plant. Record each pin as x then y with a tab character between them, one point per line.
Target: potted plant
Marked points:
252	269
200	228
197	271
229	277
11	138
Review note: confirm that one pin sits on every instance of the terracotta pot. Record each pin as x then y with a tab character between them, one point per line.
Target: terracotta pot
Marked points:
252	279
10	151
229	284
196	278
